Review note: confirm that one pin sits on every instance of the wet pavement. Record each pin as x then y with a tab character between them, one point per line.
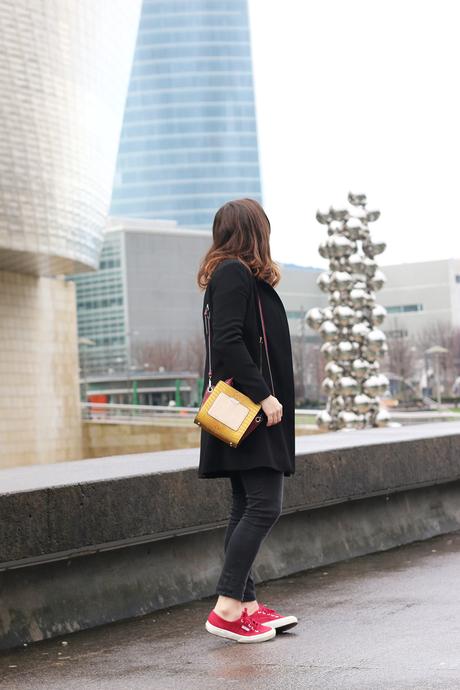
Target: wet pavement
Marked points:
388	620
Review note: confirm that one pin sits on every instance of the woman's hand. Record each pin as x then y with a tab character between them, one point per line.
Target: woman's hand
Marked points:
273	409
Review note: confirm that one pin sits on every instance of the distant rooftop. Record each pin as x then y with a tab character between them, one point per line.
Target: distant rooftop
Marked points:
302	268
162	227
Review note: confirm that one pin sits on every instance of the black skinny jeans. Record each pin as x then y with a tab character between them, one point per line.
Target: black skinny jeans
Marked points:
257	499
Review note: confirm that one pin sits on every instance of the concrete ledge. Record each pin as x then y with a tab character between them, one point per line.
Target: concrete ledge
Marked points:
148	533
55	511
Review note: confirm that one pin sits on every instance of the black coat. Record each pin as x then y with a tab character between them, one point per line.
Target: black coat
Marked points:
235	351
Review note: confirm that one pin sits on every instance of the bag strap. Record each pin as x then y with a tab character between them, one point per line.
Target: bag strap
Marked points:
265	337
207	325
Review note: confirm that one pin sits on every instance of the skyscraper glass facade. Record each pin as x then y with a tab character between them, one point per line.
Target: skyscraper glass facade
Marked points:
101	311
189	139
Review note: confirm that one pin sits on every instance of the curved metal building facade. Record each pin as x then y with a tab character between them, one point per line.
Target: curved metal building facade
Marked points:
64	73
189	139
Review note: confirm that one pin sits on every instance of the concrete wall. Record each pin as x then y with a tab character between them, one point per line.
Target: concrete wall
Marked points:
39	396
104	439
85	543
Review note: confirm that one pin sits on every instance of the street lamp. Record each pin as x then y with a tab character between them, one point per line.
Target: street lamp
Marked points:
436	351
129	363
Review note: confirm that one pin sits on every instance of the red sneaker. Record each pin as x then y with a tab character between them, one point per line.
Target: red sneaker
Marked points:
243	629
272	619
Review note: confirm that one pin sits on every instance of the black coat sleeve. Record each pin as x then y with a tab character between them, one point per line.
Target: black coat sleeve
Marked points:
230	291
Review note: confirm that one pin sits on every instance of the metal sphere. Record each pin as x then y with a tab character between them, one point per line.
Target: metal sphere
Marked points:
343	315
357	199
356	264
333	370
328	330
323	419
352	228
383	350
338	213
356	347
372	248
372	385
328	350
370	266
360	213
345	350
358	297
372	216
375	339
323	217
359	331
323	249
343	265
327	311
327	385
375	404
378	314
346	385
347	418
340	280
383	383
367	353
360	368
362	402
339	245
378	280
315	318
382	417
364	233
335	298
369	299
338	402
323	281
335	227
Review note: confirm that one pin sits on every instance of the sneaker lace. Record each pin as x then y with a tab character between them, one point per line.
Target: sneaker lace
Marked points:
248	621
265	609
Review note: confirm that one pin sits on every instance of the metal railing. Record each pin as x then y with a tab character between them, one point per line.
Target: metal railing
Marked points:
147	414
173	415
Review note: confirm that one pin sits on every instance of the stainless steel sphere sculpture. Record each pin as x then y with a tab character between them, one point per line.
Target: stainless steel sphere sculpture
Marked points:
350	324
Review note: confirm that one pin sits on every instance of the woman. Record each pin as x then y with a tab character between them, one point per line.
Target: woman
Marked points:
237	266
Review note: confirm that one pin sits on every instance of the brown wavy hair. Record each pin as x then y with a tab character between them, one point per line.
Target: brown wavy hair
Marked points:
241	230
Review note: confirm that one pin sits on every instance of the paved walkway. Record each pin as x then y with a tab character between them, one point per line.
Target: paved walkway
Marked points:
389	620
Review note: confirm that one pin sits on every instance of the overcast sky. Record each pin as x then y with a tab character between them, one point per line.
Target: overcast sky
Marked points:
359	95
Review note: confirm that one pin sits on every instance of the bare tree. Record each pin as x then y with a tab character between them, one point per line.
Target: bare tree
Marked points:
443	334
160	353
195	353
401	362
298	363
308	364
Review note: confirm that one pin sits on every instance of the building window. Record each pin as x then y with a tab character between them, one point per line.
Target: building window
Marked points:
293	314
399	308
397	333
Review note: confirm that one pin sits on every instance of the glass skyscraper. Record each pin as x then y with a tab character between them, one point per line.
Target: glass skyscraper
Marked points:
189	139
